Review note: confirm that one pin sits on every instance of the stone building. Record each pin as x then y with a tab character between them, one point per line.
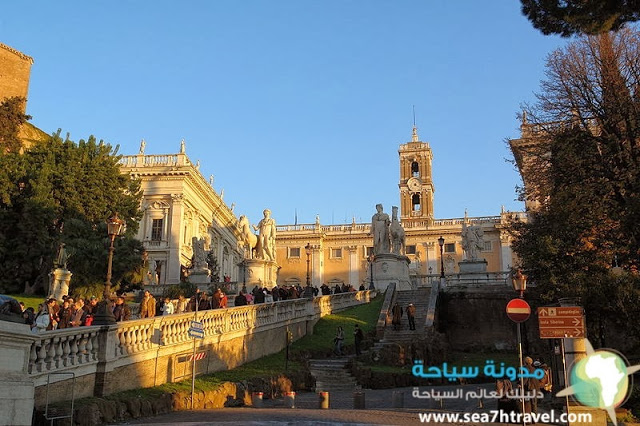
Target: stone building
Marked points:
178	204
340	253
15	71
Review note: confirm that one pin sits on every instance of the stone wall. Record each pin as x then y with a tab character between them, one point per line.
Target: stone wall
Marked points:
15	69
474	319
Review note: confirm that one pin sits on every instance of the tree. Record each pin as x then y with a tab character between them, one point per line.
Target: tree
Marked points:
11	118
584	170
570	17
60	191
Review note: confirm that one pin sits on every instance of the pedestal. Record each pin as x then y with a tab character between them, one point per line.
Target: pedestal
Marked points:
388	268
200	276
259	272
60	285
472	266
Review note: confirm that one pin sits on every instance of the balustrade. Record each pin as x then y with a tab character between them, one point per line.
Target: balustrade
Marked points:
79	346
58	349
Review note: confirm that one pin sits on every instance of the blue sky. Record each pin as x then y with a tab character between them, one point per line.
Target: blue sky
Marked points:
293	105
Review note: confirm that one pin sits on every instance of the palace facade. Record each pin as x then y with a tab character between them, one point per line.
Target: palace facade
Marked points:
340	254
178	204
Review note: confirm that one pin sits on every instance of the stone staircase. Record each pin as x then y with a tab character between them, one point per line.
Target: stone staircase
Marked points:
332	375
420	299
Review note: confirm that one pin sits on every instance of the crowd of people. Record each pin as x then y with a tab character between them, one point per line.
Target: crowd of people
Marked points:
77	312
52	315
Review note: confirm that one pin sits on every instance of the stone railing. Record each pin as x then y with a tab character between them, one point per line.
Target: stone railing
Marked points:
170	160
145	352
385	312
63	349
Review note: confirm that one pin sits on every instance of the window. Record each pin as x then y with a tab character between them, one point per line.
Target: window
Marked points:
336	253
368	251
415	169
294	252
411	249
487	246
450	248
415	202
156	230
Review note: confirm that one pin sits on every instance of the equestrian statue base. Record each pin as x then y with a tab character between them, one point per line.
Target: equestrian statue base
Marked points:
391	268
259	272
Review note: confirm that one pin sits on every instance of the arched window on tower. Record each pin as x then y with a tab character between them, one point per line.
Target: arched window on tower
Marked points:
415	202
415	169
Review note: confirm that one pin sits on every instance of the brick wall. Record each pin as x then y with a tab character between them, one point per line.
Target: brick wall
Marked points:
15	69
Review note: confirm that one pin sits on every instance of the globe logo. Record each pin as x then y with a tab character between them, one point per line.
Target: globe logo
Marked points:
601	380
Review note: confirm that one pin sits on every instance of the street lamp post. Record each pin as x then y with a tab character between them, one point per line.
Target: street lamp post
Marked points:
441	243
307	249
308	291
104	313
519	282
371	258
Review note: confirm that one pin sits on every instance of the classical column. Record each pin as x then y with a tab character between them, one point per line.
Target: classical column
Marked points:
172	267
506	255
354	266
317	265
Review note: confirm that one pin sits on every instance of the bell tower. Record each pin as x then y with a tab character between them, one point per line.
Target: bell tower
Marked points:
416	183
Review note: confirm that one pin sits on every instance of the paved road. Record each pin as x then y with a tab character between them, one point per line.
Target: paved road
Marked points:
379	410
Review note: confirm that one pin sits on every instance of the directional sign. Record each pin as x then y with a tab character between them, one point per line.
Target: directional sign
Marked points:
196	334
518	310
196	330
561	322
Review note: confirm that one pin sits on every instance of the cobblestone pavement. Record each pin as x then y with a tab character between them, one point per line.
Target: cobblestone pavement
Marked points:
378	409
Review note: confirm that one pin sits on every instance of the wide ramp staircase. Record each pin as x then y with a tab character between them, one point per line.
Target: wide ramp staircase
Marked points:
420	299
332	375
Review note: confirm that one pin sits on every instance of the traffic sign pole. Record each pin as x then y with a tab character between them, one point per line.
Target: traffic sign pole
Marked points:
518	310
193	365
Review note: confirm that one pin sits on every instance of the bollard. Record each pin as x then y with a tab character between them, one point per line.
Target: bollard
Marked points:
256	399
324	400
358	400
290	399
397	400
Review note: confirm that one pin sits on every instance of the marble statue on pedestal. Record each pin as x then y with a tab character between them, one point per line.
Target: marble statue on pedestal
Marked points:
472	241
199	254
62	258
267	238
380	230
397	233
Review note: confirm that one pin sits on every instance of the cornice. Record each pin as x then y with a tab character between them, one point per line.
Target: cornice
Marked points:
17	53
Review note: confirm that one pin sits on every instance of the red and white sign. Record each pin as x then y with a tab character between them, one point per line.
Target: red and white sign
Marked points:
198	357
561	322
518	310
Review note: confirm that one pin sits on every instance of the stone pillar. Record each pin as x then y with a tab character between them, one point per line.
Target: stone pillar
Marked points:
317	265
505	252
60	285
354	267
17	390
172	268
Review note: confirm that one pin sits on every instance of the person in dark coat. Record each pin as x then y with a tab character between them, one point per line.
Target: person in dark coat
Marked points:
240	300
121	311
397	317
358	336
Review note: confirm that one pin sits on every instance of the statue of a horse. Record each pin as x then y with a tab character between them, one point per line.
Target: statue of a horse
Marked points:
249	239
396	232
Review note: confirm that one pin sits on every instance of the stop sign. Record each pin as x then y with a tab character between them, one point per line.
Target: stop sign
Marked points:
518	310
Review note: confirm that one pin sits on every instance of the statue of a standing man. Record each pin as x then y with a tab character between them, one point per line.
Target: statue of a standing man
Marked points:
380	230
267	229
